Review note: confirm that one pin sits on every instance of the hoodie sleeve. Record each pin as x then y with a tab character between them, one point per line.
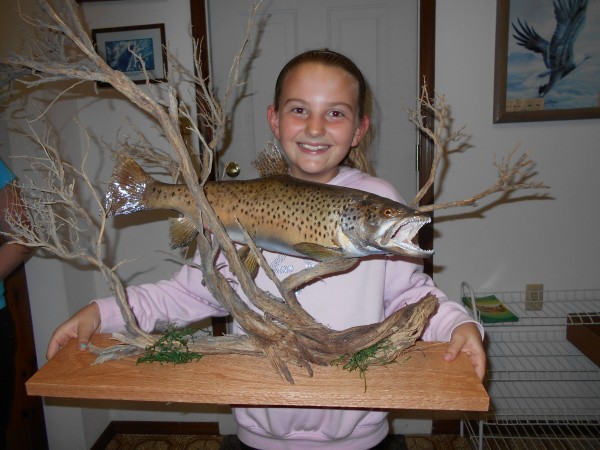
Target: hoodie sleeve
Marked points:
406	283
178	301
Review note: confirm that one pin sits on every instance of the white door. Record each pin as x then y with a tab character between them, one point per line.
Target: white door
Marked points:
379	35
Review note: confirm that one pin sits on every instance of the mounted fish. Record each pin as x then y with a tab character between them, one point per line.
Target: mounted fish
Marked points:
282	214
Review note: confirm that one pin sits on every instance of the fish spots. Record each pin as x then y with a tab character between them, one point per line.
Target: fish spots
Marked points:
282	209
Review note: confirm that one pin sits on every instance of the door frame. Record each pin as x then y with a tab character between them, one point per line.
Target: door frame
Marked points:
425	151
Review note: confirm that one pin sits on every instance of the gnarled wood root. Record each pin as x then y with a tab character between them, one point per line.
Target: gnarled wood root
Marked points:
304	346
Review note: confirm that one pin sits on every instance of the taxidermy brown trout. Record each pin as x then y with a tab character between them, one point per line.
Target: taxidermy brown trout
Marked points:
282	214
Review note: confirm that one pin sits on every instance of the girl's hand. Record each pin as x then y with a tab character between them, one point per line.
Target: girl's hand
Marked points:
466	338
81	326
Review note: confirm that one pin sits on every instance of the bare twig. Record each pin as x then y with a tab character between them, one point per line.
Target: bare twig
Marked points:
58	223
512	175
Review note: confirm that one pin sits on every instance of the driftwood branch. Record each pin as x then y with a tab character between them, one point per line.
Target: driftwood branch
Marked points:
58	223
513	174
281	329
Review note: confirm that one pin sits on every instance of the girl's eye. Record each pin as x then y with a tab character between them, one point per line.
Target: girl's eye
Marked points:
298	110
336	114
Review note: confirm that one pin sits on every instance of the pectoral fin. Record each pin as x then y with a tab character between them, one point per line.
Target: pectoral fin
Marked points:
249	260
318	252
181	231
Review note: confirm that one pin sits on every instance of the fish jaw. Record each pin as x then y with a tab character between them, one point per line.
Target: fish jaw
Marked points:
399	239
377	225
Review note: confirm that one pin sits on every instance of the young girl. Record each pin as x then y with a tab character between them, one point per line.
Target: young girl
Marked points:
318	116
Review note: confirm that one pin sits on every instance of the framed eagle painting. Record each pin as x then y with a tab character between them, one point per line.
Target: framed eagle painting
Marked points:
547	64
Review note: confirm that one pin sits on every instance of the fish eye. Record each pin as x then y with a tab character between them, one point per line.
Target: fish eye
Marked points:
388	212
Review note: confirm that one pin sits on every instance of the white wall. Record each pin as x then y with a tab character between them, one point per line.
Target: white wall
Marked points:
551	241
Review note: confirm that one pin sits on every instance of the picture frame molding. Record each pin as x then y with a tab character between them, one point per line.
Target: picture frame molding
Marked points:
154	30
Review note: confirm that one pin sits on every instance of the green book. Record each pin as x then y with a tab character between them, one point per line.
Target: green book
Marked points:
491	309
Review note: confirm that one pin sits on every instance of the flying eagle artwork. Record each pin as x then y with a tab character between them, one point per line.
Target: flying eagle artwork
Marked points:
558	53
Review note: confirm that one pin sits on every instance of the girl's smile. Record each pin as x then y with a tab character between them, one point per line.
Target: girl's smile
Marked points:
317	120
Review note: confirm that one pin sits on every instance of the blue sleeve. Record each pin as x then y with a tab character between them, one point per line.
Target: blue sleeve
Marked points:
6	176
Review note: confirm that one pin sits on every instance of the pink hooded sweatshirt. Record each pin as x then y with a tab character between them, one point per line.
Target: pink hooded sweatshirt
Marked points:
374	289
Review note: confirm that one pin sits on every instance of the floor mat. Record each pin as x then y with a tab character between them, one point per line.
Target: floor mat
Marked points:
164	442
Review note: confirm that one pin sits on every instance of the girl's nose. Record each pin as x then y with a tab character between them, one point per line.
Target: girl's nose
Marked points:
315	126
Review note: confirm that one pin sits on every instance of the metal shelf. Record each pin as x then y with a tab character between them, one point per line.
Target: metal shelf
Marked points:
509	435
536	356
557	306
545	394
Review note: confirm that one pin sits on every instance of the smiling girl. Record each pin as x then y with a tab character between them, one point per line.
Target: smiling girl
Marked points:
318	115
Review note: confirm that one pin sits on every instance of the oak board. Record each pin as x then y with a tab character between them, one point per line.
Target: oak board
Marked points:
421	380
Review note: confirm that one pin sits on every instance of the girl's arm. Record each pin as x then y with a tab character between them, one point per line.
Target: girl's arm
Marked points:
406	283
179	301
466	338
81	326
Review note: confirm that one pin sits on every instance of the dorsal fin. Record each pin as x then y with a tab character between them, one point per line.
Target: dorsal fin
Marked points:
270	161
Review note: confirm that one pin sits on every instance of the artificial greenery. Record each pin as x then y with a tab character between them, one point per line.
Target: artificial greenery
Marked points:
172	347
362	359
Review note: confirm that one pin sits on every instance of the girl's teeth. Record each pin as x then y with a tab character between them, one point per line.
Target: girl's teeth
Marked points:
314	148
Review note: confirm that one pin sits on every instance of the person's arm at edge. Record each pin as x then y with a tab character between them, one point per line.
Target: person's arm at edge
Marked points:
11	254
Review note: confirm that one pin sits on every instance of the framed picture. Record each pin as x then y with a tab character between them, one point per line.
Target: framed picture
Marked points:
547	60
137	51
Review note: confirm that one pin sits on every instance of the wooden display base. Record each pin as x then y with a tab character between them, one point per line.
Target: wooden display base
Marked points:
423	382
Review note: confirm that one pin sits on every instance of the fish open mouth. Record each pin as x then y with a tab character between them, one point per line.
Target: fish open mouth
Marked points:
402	234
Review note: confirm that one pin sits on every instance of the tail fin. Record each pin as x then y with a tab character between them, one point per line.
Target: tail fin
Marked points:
127	187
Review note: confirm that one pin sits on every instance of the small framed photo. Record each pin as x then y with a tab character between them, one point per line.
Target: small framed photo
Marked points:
547	60
138	51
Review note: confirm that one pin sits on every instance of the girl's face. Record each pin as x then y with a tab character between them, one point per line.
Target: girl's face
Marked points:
317	120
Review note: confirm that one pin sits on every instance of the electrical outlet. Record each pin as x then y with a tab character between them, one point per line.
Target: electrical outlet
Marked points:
534	297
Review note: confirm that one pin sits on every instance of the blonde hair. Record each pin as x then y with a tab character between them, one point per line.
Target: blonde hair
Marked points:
357	156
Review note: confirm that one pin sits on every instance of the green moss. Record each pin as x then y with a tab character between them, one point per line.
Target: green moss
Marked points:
172	347
363	359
